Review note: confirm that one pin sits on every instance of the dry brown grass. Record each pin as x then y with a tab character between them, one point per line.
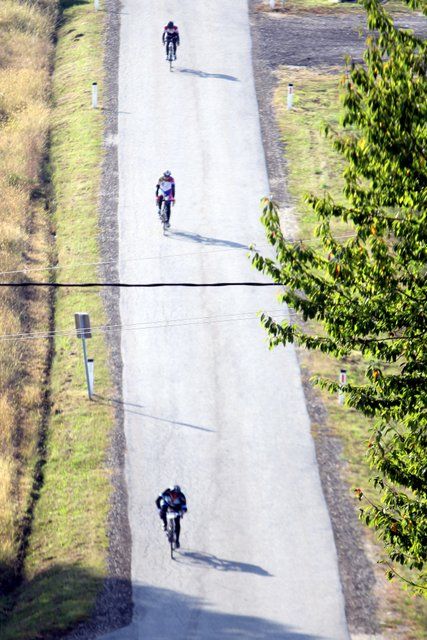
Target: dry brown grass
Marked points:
25	57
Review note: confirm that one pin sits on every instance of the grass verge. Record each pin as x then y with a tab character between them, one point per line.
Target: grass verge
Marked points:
311	161
314	6
66	559
313	166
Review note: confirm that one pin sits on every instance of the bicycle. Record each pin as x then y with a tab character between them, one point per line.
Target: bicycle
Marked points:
170	530
170	56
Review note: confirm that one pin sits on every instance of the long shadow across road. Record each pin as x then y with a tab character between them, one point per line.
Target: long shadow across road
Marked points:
163	614
216	242
135	410
205	74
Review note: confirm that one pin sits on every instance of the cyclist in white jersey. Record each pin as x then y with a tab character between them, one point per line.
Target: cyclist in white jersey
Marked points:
165	191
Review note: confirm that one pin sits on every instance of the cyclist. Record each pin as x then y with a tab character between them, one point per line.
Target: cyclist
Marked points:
165	190
170	34
172	499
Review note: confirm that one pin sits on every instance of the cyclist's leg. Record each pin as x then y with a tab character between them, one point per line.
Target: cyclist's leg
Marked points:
159	204
177	529
163	517
168	210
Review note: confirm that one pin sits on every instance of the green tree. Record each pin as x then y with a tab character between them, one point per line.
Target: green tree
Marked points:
369	292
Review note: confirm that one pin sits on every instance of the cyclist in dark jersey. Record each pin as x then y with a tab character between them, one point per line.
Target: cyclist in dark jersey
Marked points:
171	34
172	499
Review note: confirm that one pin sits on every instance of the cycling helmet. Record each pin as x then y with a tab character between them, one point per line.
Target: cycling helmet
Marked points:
175	487
167	174
170	25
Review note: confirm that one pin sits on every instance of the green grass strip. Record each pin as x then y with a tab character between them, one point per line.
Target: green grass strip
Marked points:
312	165
66	560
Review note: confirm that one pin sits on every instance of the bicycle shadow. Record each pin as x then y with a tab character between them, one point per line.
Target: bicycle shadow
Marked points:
205	74
220	564
216	242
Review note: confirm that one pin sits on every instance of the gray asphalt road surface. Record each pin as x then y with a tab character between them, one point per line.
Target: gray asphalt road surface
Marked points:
206	403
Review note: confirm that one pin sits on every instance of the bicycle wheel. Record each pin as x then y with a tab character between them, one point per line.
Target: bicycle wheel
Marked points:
170	55
171	536
164	216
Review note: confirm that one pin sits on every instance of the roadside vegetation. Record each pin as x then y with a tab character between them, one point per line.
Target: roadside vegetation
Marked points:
25	59
320	6
65	560
314	166
329	6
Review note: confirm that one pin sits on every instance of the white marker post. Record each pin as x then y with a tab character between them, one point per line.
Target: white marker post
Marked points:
343	381
91	372
290	95
272	4
94	95
96	4
82	321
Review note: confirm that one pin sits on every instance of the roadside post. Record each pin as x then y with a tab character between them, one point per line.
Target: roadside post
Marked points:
96	4
272	4
90	368
343	381
94	95
82	321
290	95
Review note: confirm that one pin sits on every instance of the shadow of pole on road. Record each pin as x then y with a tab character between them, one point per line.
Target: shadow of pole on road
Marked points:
134	407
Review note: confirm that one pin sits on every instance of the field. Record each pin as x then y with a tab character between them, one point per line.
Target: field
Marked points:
26	54
65	560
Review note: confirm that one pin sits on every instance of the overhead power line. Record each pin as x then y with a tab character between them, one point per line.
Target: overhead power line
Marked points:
103	263
151	324
138	285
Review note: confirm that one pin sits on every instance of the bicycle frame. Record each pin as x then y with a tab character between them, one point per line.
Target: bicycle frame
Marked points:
171	533
163	214
170	54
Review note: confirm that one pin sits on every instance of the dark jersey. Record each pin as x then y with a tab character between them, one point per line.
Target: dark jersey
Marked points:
174	500
170	34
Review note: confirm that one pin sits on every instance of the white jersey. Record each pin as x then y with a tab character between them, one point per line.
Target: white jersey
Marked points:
165	187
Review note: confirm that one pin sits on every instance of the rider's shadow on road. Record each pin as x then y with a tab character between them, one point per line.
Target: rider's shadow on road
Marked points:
209	560
205	74
216	242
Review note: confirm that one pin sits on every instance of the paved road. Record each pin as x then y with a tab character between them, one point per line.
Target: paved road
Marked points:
206	403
